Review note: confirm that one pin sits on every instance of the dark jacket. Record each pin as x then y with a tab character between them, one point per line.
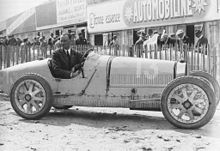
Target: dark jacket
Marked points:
203	41
62	63
81	41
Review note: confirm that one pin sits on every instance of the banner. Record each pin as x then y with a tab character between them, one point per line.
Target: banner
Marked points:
106	16
71	11
127	14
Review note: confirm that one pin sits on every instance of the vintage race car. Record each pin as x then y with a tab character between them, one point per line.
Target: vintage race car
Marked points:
187	100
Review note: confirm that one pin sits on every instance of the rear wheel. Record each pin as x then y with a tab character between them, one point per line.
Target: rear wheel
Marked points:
212	80
31	97
188	102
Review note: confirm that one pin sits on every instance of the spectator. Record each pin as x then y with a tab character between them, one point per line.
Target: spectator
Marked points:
139	43
51	43
12	41
114	45
43	46
183	39
23	50
152	42
169	40
202	40
5	41
81	40
50	40
19	41
57	44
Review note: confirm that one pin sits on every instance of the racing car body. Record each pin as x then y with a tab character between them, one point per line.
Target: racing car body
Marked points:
187	101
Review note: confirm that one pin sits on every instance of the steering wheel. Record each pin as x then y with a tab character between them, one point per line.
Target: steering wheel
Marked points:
86	53
80	65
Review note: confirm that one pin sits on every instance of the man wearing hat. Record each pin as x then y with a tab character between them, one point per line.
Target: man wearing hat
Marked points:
202	40
180	34
114	45
81	40
139	43
65	59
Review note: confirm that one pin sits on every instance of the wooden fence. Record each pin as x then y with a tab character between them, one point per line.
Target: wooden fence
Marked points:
197	59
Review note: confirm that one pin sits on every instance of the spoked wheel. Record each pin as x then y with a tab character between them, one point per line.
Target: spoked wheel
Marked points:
211	80
31	97
188	102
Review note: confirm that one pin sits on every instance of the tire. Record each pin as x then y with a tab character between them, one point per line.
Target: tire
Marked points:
188	102
211	79
64	107
31	97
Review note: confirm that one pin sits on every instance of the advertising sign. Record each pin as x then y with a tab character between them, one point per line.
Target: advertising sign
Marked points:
46	15
127	14
71	11
106	16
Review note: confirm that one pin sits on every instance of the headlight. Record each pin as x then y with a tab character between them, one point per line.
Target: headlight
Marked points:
181	69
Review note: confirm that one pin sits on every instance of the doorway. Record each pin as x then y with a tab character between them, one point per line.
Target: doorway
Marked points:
190	33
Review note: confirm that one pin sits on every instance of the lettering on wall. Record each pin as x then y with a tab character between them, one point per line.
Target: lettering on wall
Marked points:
99	20
71	10
142	11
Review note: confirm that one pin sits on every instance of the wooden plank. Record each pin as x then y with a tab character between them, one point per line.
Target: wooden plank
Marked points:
209	59
1	56
8	56
192	58
155	51
175	50
146	52
198	59
165	53
214	63
170	53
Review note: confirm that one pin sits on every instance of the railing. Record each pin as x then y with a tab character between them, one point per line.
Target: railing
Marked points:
197	59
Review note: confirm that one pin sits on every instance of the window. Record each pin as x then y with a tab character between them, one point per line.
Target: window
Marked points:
99	40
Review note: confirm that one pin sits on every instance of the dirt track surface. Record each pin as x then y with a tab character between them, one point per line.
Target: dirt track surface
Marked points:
102	129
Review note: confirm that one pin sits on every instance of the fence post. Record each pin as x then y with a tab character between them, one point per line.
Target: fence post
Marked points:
218	63
1	57
12	54
29	53
192	57
155	51
209	59
8	56
214	63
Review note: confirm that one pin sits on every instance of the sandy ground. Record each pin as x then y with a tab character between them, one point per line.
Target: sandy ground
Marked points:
102	129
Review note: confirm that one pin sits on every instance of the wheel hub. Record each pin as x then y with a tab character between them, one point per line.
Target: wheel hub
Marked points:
28	97
187	104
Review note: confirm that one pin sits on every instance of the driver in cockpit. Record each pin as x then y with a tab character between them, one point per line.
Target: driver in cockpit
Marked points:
65	59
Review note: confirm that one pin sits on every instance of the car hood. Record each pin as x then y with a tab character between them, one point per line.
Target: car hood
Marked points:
127	71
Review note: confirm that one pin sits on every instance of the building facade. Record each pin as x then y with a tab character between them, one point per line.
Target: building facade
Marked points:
124	18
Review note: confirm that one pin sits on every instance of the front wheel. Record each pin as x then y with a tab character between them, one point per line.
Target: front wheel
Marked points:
31	97
211	79
188	102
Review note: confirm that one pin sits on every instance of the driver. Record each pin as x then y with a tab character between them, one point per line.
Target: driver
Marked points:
64	59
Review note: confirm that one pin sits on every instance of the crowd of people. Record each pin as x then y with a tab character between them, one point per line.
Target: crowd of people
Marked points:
40	40
178	40
15	50
44	47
